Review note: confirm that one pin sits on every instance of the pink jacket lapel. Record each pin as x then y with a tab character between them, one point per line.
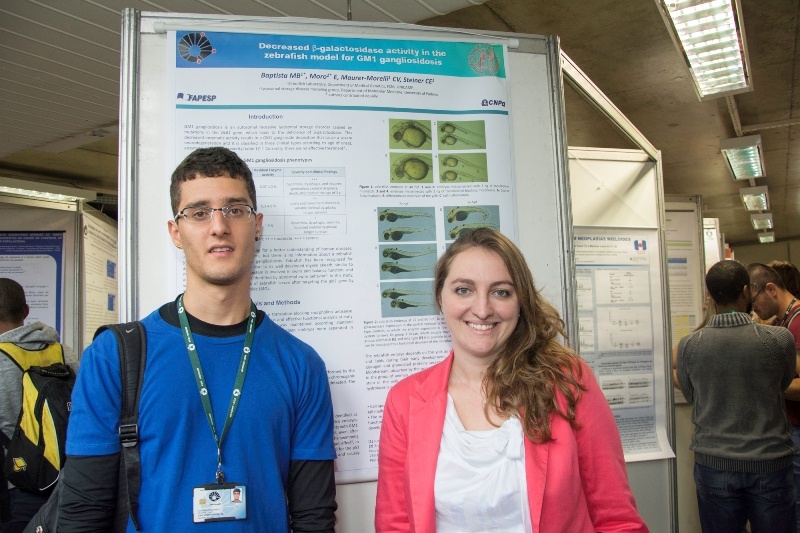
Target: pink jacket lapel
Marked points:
536	456
427	409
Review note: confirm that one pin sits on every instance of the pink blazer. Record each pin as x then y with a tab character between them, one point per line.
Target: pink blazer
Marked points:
576	483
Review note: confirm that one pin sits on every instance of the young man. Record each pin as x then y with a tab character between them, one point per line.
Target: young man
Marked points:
772	299
230	400
41	342
734	372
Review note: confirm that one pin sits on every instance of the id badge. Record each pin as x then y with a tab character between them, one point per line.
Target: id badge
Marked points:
218	502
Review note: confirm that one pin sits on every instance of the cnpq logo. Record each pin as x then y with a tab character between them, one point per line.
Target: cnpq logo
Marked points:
487	103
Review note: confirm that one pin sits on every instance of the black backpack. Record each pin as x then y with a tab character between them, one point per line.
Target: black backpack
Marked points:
132	347
34	454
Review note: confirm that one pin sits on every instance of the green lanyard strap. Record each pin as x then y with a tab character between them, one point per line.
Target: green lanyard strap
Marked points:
201	380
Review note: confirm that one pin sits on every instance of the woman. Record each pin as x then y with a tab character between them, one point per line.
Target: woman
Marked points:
509	433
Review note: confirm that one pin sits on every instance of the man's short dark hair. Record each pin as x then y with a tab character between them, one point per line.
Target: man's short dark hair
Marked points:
13	307
726	280
210	163
761	274
790	275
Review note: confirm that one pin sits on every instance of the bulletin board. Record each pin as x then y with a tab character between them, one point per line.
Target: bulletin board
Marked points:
622	298
40	251
429	152
339	216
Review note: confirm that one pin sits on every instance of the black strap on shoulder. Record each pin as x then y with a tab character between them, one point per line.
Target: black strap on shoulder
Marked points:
794	315
132	357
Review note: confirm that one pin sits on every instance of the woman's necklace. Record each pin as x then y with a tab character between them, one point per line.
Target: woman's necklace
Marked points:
464	382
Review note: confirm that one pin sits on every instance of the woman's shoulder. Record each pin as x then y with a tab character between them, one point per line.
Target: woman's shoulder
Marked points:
430	378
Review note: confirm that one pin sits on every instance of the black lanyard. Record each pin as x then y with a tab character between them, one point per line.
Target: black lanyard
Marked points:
201	380
786	314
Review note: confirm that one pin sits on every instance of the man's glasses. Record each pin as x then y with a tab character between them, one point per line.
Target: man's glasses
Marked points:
201	215
753	299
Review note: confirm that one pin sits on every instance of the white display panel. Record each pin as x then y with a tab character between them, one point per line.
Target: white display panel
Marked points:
100	275
322	270
621	337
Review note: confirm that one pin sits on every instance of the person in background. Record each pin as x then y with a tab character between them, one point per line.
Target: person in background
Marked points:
34	337
774	302
228	397
709	310
511	431
734	372
790	275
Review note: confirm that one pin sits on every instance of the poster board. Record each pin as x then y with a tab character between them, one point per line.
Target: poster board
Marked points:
685	248
622	308
685	267
42	256
712	242
654	483
98	274
618	256
527	156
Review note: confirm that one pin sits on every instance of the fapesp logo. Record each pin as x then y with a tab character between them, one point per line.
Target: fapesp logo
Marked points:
487	103
197	97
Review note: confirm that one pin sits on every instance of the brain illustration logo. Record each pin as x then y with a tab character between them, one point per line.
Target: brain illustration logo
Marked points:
483	60
195	47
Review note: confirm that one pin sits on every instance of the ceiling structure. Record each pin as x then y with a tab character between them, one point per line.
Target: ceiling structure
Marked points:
59	87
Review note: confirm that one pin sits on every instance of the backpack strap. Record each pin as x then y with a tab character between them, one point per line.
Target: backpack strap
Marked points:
132	343
24	359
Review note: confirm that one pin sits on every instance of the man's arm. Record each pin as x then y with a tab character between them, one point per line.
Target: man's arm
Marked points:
312	496
88	498
792	392
91	472
675	382
681	372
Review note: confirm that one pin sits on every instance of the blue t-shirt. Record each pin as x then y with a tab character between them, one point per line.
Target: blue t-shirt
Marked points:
284	414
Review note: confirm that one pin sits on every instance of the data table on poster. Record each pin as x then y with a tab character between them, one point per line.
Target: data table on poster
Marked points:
302	200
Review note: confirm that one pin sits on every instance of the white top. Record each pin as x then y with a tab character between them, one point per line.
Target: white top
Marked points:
480	478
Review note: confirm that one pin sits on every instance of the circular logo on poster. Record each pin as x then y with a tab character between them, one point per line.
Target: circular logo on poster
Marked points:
483	60
195	47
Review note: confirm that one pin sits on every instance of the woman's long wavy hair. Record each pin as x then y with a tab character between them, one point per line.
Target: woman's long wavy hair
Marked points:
533	365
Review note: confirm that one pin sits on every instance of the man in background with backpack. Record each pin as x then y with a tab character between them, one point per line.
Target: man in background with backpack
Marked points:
230	402
771	299
38	345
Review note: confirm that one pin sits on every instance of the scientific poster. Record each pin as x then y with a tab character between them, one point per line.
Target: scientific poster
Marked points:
620	332
35	260
712	242
685	269
369	155
100	305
